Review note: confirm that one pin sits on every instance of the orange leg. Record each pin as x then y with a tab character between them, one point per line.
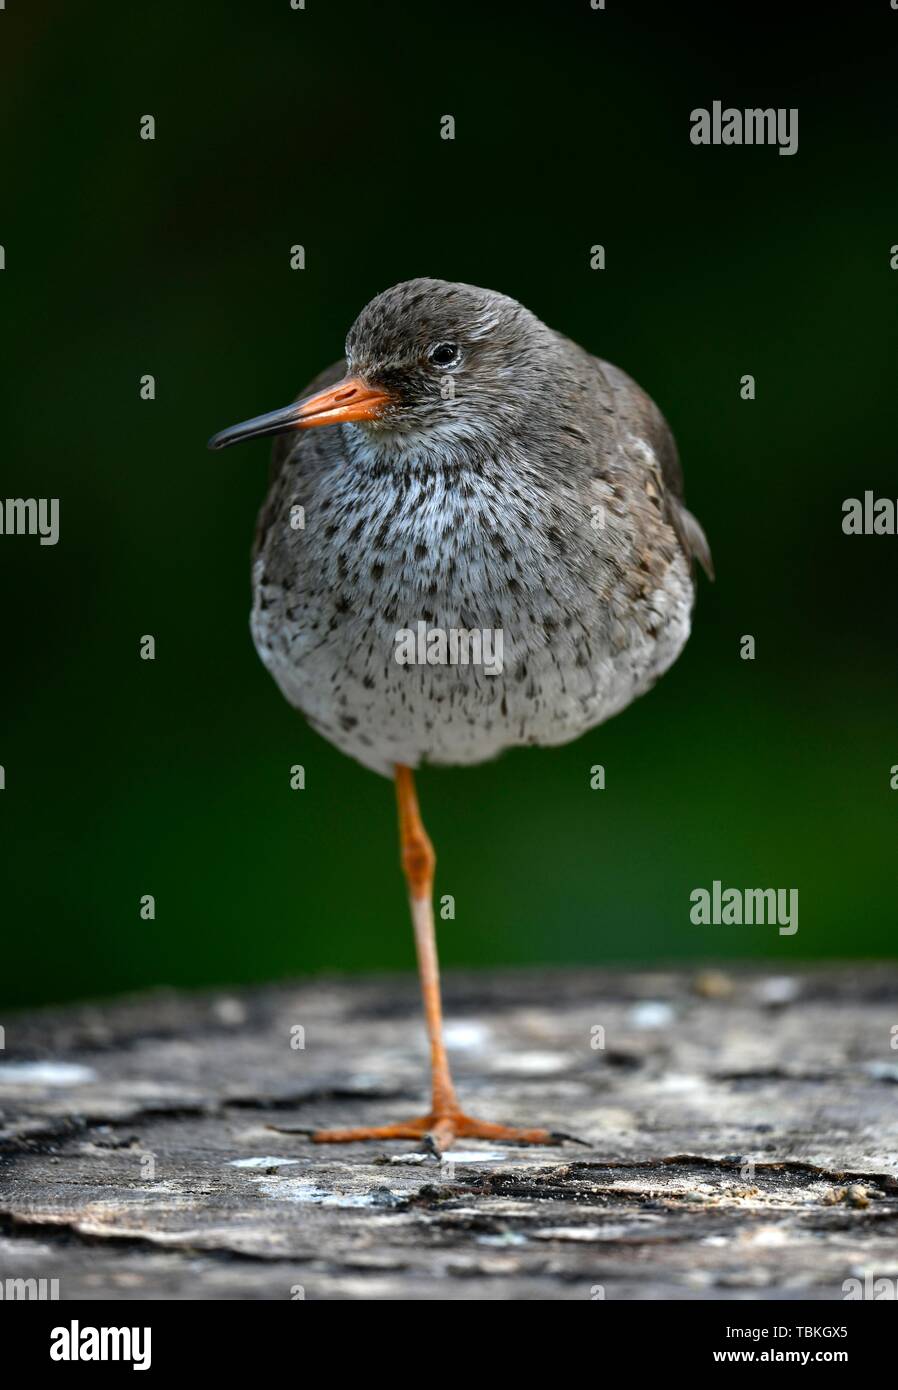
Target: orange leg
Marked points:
445	1122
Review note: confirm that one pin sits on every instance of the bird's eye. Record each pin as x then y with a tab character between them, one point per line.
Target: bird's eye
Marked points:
445	355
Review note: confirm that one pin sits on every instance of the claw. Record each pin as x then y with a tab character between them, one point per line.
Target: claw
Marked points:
438	1132
563	1138
431	1148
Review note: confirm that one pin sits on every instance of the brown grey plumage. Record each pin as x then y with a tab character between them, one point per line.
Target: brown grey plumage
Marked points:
541	497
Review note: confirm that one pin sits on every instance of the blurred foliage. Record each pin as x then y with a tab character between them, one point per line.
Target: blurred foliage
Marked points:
320	127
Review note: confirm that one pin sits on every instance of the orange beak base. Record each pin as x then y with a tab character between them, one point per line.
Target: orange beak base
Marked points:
351	399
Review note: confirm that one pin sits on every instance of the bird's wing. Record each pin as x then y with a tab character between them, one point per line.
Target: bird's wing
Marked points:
637	413
690	532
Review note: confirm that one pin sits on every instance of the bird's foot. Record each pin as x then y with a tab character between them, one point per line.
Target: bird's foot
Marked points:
440	1131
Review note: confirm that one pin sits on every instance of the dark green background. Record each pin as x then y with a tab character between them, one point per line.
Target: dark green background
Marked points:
321	127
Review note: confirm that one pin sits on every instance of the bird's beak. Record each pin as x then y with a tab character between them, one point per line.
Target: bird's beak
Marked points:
351	399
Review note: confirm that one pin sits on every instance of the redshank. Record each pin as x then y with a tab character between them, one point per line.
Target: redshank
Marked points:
488	547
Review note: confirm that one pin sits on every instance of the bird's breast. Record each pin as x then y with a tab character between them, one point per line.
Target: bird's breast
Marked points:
454	611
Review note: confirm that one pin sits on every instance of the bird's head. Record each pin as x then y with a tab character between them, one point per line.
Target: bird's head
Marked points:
428	363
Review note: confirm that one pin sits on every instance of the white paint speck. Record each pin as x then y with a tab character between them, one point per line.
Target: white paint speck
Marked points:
574	1233
651	1013
882	1071
230	1011
777	989
766	1236
463	1033
530	1063
45	1074
678	1082
473	1156
456	1156
267	1162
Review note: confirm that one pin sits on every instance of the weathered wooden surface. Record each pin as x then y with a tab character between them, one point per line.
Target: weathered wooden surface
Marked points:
743	1141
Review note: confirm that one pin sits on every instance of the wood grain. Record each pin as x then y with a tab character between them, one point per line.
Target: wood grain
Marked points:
742	1137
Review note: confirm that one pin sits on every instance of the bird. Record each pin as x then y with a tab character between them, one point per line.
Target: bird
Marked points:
465	470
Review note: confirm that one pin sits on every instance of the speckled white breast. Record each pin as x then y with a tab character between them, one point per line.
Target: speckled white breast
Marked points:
382	551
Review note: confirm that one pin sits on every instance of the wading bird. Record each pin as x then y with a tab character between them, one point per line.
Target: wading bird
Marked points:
483	474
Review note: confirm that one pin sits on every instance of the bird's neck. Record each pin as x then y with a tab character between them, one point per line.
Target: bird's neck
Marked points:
453	447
